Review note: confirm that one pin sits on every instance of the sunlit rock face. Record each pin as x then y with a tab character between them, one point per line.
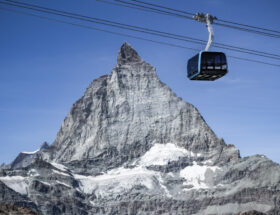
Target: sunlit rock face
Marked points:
127	112
131	146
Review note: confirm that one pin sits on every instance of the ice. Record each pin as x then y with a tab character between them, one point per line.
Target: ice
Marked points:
16	183
161	154
117	181
195	175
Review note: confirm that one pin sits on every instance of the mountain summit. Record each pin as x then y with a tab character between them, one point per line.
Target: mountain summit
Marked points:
129	145
127	55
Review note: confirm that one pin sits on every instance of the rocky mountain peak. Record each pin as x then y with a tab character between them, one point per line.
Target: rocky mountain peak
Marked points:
24	159
127	55
124	114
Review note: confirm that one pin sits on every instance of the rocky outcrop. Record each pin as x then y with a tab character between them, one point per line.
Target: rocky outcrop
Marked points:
9	197
15	210
131	146
25	158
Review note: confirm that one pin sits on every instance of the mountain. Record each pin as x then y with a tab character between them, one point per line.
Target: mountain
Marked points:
131	146
25	158
122	115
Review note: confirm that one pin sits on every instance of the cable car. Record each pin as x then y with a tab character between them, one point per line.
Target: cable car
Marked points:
207	66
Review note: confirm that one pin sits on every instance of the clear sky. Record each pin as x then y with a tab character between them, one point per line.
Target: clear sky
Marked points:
46	66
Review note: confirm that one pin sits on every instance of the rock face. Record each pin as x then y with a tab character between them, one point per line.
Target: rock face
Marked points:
25	158
10	197
124	114
16	210
131	146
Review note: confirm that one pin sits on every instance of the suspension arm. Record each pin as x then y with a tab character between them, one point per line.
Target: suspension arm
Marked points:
208	19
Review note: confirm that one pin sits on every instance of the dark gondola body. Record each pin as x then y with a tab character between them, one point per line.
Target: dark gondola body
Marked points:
207	66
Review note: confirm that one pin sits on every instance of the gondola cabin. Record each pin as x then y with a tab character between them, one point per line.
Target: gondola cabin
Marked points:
207	66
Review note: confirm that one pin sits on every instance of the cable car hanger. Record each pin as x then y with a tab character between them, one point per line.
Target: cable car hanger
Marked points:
208	19
206	65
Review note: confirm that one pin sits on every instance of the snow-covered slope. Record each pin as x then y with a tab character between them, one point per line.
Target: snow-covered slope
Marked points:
131	146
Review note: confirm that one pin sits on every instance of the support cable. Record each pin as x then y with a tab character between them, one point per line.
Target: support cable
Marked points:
127	35
135	28
160	11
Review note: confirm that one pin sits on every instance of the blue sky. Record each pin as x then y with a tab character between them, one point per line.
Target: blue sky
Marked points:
46	66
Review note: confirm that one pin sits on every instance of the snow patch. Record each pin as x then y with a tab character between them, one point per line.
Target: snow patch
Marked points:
66	185
121	180
161	154
207	162
16	183
161	182
33	173
117	181
45	183
30	153
195	175
60	173
59	166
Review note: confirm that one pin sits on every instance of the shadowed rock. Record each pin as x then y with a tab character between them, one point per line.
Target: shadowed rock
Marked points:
127	55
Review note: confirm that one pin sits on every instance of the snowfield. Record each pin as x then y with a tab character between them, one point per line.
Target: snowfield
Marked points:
161	154
117	181
16	183
121	180
195	175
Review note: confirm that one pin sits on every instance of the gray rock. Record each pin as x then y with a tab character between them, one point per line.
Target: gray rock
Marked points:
15	210
127	55
25	158
10	197
123	114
